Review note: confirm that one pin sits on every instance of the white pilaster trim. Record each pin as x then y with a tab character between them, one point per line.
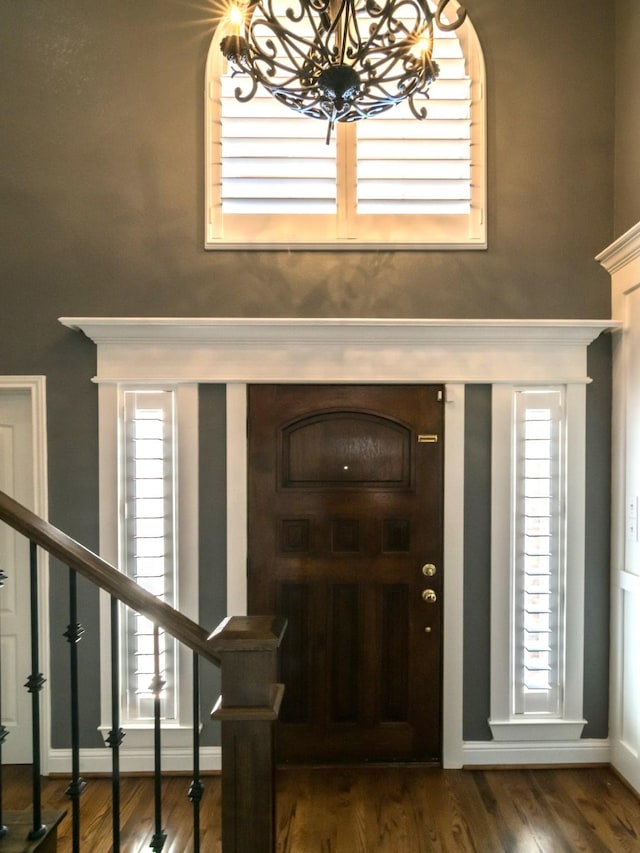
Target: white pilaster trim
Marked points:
453	657
237	499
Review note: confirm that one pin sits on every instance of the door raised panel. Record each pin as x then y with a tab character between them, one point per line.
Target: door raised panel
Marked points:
345	448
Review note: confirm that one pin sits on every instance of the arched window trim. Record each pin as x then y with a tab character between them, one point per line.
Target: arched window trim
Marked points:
382	231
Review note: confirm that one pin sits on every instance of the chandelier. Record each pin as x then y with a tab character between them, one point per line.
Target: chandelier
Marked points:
336	60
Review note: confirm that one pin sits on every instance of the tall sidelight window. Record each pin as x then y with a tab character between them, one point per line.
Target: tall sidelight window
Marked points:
537	562
149	529
148	544
538	580
273	178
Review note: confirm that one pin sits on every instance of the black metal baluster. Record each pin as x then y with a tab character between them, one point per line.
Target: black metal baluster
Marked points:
3	733
157	685
73	635
34	685
116	734
196	788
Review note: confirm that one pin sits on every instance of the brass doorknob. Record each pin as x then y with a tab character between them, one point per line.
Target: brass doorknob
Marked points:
428	570
429	596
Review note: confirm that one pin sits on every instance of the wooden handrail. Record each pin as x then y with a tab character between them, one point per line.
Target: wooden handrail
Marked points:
104	575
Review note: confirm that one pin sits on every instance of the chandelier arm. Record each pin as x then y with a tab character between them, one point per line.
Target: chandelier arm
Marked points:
388	17
411	79
420	113
288	38
448	27
339	60
291	44
346	8
238	94
310	50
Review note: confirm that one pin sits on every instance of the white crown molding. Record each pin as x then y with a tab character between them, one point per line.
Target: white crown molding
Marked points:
622	261
622	251
164	349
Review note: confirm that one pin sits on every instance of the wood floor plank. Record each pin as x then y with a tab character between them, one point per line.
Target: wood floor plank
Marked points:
604	801
565	813
520	817
391	809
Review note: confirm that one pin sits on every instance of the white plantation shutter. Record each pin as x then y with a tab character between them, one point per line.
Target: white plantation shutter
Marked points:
392	179
149	547
273	160
409	166
539	552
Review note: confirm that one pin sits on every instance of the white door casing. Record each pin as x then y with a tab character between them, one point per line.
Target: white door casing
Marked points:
22	475
622	261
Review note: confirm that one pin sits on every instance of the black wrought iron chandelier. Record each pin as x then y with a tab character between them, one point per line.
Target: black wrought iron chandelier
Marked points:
336	60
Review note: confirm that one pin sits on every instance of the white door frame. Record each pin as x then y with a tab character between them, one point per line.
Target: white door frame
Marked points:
238	351
36	387
622	261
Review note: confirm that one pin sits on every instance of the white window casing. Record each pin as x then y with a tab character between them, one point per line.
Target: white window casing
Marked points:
149	475
272	181
537	532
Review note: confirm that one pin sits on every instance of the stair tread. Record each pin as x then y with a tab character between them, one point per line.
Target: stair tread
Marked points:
19	825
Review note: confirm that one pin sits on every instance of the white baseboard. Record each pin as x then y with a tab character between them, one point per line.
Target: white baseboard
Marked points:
134	760
501	753
474	753
626	762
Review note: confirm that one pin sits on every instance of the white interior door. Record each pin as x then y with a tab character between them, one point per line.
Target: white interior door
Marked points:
625	694
17	480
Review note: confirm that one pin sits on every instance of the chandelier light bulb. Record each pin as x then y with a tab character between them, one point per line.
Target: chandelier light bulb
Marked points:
235	16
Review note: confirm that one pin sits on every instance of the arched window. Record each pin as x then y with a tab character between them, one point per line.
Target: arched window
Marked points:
391	181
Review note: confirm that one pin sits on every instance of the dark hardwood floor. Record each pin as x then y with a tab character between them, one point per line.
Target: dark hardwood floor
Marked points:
388	809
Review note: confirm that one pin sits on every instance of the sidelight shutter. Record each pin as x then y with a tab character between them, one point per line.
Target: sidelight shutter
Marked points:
539	552
149	546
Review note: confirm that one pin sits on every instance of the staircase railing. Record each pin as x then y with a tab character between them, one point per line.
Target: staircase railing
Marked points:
245	649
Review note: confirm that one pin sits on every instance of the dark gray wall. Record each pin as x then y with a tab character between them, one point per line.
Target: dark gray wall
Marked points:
213	536
597	540
477	563
627	146
101	204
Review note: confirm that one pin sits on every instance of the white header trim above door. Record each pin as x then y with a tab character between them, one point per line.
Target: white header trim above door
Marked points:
158	349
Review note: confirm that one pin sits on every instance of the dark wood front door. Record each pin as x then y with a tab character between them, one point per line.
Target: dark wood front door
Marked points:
345	536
